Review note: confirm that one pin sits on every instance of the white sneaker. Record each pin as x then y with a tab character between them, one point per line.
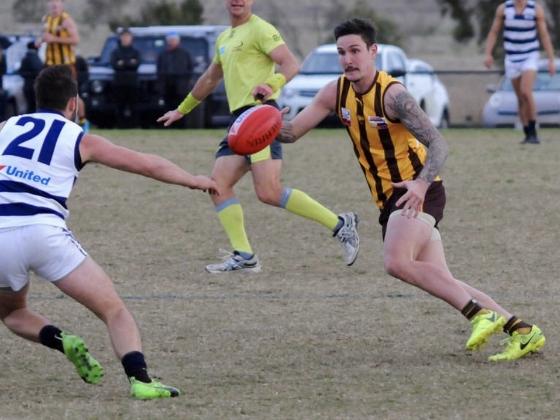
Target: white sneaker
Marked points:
348	237
235	262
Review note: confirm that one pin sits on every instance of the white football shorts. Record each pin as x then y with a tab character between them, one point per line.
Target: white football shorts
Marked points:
515	70
49	251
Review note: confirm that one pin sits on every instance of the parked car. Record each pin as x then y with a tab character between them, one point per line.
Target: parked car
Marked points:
501	108
198	40
322	66
12	82
429	91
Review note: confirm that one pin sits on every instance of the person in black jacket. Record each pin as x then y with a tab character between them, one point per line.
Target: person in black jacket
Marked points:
125	60
30	67
174	70
3	94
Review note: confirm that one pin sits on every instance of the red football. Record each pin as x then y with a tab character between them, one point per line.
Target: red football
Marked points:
255	129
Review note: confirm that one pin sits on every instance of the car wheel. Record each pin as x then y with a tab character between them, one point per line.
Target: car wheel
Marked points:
444	122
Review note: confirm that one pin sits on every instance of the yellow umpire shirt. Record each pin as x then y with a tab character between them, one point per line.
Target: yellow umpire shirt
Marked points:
242	53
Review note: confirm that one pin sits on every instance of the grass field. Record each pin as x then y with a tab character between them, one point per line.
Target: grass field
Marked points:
308	338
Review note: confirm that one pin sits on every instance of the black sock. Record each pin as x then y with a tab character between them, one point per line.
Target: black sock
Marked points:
532	127
514	324
135	366
50	336
471	309
526	130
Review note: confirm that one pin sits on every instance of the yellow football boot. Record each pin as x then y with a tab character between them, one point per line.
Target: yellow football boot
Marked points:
518	345
483	326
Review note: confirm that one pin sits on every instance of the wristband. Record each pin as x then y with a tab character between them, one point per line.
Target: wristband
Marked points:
188	104
276	81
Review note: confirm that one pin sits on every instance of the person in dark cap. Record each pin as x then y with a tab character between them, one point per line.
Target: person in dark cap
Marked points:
125	60
174	70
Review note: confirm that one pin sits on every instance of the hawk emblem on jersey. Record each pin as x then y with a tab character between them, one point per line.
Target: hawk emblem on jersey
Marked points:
377	122
345	116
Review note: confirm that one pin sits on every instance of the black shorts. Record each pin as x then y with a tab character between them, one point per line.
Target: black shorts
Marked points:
223	148
434	203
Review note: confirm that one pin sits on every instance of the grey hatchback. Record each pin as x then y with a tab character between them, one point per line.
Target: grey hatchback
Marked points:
501	108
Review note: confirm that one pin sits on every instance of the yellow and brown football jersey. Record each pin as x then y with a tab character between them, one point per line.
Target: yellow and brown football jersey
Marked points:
58	53
386	150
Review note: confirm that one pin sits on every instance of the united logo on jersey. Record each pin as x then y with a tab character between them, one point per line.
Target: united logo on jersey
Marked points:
25	174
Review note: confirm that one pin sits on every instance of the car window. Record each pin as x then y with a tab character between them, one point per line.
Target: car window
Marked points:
421	68
395	61
544	82
321	62
151	46
325	62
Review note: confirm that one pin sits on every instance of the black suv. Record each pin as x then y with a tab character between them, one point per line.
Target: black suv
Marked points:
198	40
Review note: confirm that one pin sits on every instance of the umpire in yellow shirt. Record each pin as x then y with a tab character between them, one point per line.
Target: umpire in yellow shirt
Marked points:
247	55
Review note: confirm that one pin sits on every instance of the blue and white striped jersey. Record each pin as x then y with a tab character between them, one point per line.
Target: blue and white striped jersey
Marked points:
39	163
520	32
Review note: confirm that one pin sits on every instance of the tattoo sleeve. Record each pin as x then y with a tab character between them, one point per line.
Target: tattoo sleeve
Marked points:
404	107
286	133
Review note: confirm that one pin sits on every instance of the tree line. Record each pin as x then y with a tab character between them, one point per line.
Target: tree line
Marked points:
473	18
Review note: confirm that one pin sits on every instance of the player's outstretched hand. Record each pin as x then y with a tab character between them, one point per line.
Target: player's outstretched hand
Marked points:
205	184
413	199
170	117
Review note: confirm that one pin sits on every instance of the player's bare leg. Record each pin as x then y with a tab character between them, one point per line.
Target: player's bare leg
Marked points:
404	241
89	285
433	252
34	327
17	317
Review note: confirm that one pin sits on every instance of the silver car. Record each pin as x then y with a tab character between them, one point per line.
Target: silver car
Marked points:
501	108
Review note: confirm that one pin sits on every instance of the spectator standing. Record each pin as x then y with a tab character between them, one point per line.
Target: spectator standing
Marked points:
125	60
31	65
174	70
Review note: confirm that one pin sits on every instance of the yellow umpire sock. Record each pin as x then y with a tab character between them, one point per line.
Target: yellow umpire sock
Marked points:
231	217
298	202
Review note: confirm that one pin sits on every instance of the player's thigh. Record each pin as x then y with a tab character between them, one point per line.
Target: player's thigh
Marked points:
228	170
433	252
516	83
405	237
89	285
527	81
11	301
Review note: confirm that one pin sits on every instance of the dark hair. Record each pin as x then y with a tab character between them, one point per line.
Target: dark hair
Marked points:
356	27
54	86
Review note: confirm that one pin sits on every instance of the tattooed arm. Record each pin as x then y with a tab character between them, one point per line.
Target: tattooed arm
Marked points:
323	103
400	105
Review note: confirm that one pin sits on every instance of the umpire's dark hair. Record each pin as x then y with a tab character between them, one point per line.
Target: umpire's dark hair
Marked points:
356	26
54	86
